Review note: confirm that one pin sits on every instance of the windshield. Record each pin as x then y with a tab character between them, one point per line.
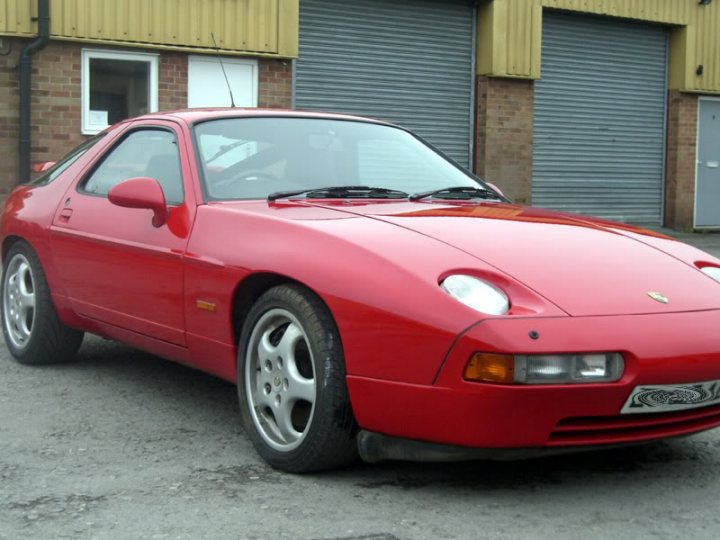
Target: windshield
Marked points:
249	158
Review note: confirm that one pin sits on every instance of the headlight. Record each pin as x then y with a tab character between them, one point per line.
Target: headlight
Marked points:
545	368
712	271
476	293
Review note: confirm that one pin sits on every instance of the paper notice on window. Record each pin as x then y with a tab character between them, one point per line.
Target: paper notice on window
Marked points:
99	118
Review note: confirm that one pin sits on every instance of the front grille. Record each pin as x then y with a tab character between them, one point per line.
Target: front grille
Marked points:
632	427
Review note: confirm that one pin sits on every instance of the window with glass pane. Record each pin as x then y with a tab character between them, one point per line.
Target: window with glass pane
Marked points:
117	86
246	158
149	153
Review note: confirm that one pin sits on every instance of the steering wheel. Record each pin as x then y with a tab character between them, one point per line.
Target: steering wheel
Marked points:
255	175
236	182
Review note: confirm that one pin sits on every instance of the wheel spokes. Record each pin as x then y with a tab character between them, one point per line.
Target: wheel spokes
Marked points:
282	384
265	349
19	301
298	387
286	346
283	418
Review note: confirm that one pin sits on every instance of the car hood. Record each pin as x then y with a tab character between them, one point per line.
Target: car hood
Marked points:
584	266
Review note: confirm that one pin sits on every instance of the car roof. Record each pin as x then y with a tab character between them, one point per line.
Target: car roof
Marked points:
193	116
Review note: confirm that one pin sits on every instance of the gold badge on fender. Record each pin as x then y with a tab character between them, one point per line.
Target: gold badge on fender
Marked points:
658	297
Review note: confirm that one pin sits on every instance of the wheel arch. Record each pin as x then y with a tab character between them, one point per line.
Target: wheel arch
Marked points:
67	315
9	242
253	287
47	338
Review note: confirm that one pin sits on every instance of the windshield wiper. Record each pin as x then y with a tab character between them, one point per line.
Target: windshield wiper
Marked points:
225	149
459	193
341	192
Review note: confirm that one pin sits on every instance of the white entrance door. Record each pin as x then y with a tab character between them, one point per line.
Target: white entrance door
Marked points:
707	192
207	86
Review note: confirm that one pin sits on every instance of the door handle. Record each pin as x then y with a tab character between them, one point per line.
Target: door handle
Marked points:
713	164
65	214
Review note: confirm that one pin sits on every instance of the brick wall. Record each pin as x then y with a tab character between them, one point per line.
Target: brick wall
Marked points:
56	88
504	127
680	161
275	84
172	81
55	120
9	103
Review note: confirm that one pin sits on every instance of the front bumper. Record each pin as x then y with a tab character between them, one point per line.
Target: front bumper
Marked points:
671	348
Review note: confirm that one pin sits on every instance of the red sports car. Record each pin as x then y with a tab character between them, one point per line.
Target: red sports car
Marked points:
367	294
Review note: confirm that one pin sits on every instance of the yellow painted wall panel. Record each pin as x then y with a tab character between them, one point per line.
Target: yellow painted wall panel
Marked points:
486	39
663	11
16	16
514	47
520	27
707	45
288	16
240	26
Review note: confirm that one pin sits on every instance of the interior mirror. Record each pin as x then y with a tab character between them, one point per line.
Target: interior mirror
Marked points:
495	188
141	193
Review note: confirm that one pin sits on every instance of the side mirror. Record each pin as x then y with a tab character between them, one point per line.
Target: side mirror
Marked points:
495	188
141	193
42	166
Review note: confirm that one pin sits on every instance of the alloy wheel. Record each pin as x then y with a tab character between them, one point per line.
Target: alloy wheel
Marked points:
280	380
19	301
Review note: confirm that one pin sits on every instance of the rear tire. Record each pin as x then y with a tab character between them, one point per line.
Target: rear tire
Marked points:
34	334
294	402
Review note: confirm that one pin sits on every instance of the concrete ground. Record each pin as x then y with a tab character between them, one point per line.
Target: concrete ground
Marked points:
122	445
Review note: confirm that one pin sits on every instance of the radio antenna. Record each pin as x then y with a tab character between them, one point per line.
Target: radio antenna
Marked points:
217	49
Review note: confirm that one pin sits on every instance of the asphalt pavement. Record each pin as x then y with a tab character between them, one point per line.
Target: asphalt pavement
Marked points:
123	445
707	241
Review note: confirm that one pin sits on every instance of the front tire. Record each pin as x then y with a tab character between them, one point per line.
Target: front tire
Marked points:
34	334
291	383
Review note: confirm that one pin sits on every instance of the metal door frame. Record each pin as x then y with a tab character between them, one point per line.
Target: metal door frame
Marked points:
697	155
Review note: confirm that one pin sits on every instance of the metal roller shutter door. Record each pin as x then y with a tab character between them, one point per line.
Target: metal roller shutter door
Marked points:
405	61
600	118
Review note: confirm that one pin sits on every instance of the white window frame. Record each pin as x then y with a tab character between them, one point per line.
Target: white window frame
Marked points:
87	127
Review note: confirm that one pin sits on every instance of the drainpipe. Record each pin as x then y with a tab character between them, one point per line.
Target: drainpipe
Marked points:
25	85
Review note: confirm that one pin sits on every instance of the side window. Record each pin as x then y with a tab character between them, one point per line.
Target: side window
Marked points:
147	152
66	162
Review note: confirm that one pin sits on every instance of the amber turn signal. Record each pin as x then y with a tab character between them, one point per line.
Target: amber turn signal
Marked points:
492	368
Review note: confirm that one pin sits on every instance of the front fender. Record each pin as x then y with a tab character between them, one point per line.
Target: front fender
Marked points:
379	281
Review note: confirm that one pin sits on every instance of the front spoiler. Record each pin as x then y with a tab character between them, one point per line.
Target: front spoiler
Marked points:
375	447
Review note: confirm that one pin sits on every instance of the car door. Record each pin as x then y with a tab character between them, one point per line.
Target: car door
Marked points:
116	266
